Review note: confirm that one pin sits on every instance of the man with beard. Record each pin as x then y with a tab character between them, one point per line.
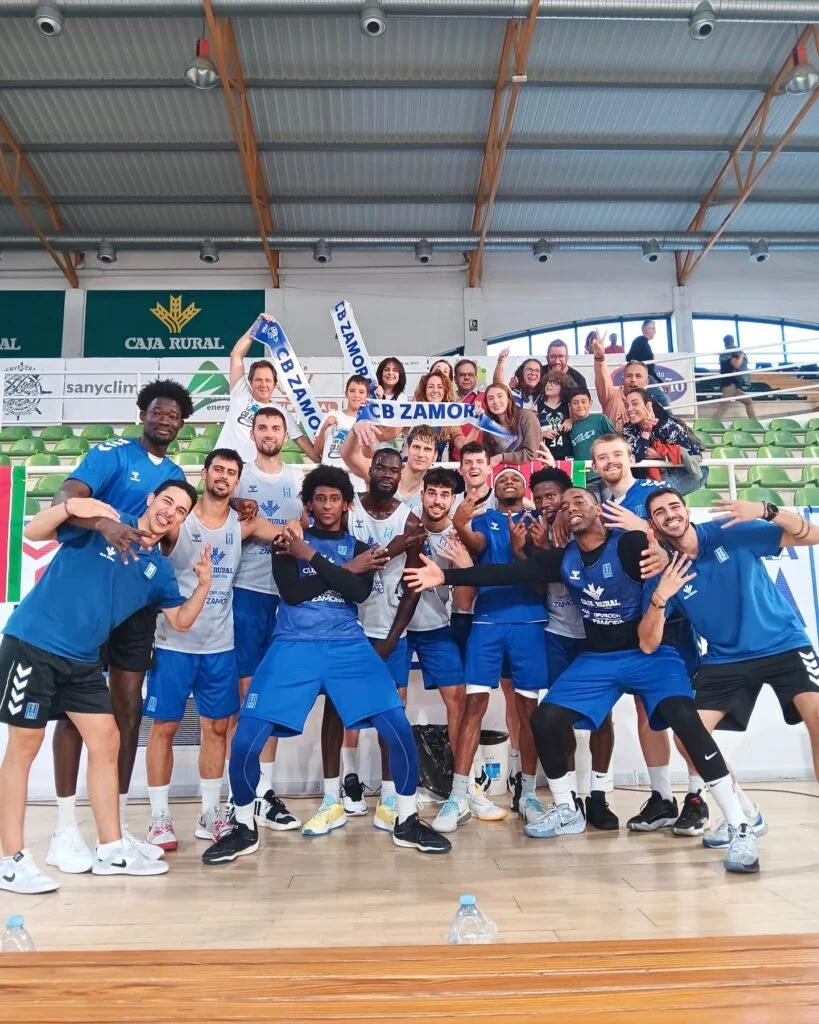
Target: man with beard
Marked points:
274	487
200	661
604	571
611	398
754	636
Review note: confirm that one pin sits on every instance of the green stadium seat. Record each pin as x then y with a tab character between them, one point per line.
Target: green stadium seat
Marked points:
706	440
212	430
741	439
47	486
32	506
15	433
4	459
783	438
810	476
718	476
96	432
810	451
72	447
26	446
173	448
727	452
794	426
131	430
768	476
774	452
702	498
43	459
200	487
812	437
56	432
762	494
187	431
807	496
203	445
749	426
188	458
707	425
813	424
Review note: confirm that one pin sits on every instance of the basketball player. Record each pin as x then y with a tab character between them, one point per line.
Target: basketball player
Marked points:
376	518
753	635
49	660
420	447
320	647
121	472
604	572
274	486
200	661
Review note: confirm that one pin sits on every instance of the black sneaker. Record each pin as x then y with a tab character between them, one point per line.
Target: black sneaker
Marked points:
352	795
414	832
483	780
270	812
655	813
239	842
515	788
599	814
693	819
230	813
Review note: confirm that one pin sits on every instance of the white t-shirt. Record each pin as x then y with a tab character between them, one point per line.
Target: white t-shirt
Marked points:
333	440
236	431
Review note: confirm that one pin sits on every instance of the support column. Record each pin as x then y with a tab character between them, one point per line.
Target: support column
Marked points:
682	323
474	340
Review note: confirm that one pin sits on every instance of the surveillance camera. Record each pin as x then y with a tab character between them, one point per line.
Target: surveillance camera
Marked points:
651	251
208	253
106	253
49	20
373	21
542	251
758	252
322	252
703	21
423	251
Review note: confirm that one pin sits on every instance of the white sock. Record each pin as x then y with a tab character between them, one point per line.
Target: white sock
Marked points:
266	777
66	813
158	795
529	783
514	761
244	815
749	808
387	789
332	787
696	783
103	849
227	773
601	782
349	760
477	768
404	806
459	784
661	781
728	801
572	777
562	789
123	803
211	793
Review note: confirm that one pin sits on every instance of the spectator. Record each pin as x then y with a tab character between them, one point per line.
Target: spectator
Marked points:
522	424
466	380
247	395
733	360
435	387
336	426
557	358
614	347
641	352
611	398
591	337
525	382
554	415
587	426
444	367
653	433
392	379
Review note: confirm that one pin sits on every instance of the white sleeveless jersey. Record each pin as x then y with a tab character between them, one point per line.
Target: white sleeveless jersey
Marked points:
434	605
377	613
413	501
212	632
277	495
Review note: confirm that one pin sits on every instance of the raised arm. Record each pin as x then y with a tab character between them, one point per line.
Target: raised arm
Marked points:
797	532
182	618
260	529
498	374
237	358
542	567
602	380
353	457
44	525
473	540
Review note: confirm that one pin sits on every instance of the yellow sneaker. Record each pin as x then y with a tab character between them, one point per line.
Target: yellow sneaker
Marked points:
330	815
385	814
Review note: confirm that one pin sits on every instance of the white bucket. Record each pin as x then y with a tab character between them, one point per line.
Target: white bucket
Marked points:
495	756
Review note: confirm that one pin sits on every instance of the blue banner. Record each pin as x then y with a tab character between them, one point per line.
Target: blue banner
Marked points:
291	377
437	414
349	337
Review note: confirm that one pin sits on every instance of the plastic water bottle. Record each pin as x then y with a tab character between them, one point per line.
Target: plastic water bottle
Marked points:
469	926
15	938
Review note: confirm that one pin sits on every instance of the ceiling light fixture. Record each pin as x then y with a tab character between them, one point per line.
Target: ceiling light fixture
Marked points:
201	73
803	78
107	252
758	252
423	251
651	251
542	251
208	253
322	251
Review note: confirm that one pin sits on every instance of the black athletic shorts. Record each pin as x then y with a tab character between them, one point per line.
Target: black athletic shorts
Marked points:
38	685
734	688
130	646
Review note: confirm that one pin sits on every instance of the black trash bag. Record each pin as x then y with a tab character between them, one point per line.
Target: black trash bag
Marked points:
435	763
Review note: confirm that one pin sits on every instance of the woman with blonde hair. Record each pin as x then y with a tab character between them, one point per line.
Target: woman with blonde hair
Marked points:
435	386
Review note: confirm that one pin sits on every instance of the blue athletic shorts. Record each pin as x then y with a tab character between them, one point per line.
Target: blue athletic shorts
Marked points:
561	651
294	672
461	628
438	655
254	616
397	663
175	675
522	644
594	682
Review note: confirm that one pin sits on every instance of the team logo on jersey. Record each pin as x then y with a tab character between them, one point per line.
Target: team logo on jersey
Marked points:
286	492
217	556
150	570
494	526
594	592
110	553
135	476
574	575
196	538
344	550
359	525
607	571
689	591
252	701
252	488
269	508
721	554
32	710
228	538
151	704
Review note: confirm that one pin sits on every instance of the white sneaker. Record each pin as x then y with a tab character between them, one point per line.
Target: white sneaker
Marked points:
211	825
125	859
147	850
530	808
718	838
452	814
481	806
161	834
21	874
69	853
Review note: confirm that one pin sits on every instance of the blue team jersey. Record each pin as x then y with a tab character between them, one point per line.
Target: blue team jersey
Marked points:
733	602
87	590
123	474
504	604
604	592
328	616
636	496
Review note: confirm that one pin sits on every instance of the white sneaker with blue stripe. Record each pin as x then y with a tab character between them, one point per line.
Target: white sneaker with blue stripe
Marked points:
530	808
560	820
718	839
452	814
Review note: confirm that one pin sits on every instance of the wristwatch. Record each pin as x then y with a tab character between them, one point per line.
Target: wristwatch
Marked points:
769	511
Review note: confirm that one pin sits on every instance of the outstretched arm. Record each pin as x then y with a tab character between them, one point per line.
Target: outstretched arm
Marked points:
237	358
44	525
796	531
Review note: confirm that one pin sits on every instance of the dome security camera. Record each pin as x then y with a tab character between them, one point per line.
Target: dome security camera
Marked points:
322	252
423	251
106	253
541	251
373	22
49	20
208	253
702	22
651	251
758	253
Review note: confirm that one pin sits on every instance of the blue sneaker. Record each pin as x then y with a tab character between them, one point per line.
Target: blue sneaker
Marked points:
560	820
718	839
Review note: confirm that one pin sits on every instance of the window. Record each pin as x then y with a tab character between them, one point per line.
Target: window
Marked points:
535	341
767	343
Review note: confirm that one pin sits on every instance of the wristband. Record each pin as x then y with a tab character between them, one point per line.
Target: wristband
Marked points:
660	606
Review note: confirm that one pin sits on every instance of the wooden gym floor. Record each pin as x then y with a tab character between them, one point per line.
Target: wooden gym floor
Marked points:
354	888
